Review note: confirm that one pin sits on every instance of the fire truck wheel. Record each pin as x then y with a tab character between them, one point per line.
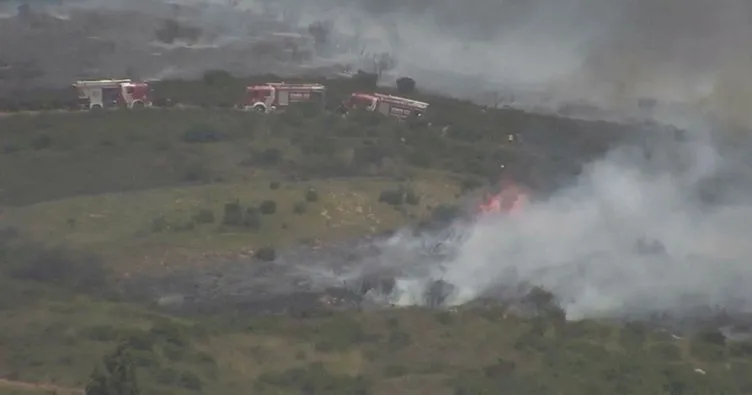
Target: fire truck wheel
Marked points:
259	108
96	108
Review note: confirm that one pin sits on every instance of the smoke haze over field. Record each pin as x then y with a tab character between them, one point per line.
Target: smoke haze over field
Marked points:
601	51
583	242
631	237
606	52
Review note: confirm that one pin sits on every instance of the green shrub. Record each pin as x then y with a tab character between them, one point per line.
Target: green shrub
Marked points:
445	213
392	197
141	341
196	172
444	318
190	380
252	218
233	214
412	198
267	254
339	334
313	379
204	216
274	185
56	265
166	376
741	349
102	333
268	207
173	352
169	332
502	368
470	184
300	208
395	371
311	195
270	157
405	85
714	337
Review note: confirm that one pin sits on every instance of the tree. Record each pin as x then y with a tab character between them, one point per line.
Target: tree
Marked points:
405	85
114	375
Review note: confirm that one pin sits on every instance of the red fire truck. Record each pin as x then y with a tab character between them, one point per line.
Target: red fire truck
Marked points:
395	106
272	95
100	94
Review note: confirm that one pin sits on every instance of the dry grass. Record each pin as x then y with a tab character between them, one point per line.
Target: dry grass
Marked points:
119	223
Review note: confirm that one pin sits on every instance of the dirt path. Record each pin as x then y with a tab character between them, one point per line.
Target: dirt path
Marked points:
28	386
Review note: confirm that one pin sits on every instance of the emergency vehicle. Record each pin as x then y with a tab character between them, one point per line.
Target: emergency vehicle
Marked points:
272	95
394	106
100	94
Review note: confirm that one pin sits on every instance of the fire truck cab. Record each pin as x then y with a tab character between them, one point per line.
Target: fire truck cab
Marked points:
112	93
272	95
394	106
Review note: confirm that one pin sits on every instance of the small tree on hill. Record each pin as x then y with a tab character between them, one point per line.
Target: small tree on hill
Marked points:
405	85
114	375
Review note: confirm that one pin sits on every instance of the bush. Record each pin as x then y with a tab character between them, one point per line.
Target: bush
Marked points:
339	334
217	77
195	172
445	214
266	254
300	208
502	368
166	375
412	198
169	332
268	207
204	216
392	197
313	379
59	266
366	80
274	185
311	195
140	341
270	157
102	333
233	214
714	337
395	371
437	292
252	218
470	184
190	380
173	352
405	85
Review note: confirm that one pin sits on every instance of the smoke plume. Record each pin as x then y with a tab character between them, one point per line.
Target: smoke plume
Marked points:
647	229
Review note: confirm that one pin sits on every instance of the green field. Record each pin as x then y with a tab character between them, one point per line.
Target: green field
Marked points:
87	199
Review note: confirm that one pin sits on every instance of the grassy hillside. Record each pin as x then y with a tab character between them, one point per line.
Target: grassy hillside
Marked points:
54	337
87	199
137	184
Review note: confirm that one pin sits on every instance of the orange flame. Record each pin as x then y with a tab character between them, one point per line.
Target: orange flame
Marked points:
510	200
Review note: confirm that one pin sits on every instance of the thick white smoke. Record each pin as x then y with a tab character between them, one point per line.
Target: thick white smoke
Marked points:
629	237
606	52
